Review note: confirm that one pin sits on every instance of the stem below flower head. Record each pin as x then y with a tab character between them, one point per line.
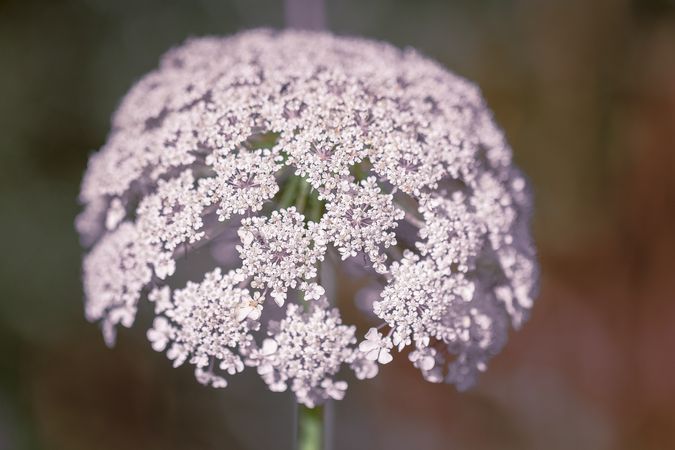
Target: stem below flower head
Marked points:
310	428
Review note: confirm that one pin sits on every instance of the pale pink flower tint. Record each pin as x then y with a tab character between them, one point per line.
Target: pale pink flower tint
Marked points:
253	165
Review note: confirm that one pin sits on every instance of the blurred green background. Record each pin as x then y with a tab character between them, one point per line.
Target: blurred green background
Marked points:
585	90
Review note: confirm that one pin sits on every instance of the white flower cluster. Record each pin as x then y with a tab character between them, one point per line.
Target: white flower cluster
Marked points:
205	322
308	145
279	250
173	214
357	220
243	181
306	349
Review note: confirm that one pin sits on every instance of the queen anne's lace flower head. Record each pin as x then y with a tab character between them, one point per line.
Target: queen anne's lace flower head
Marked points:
294	152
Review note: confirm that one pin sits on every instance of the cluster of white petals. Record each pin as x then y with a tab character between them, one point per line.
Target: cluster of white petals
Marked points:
356	217
243	182
115	272
205	323
298	151
279	251
173	214
306	349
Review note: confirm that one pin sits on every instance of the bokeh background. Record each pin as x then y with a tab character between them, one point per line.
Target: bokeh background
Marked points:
585	90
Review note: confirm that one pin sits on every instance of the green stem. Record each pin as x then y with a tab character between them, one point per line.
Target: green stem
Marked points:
358	172
310	428
301	200
315	208
288	194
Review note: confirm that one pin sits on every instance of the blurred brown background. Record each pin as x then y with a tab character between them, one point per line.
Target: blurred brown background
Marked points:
585	90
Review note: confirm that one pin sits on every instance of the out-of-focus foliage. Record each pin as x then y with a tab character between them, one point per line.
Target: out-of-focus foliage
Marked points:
586	93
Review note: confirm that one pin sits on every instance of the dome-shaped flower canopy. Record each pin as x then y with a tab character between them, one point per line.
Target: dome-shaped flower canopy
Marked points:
282	154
